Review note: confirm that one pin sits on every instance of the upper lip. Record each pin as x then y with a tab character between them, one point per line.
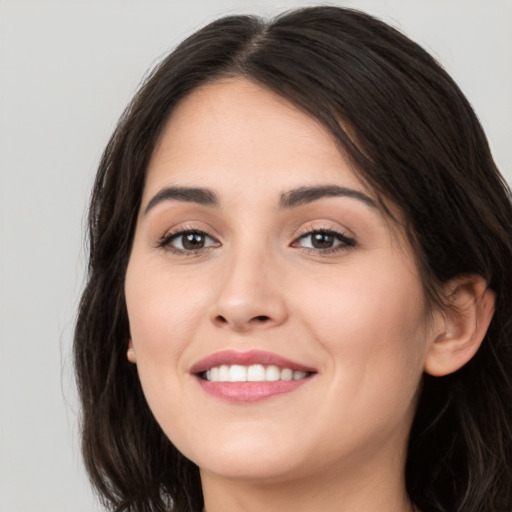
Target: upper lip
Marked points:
247	358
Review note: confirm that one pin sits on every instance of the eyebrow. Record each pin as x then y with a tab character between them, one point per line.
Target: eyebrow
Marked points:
290	199
305	195
197	195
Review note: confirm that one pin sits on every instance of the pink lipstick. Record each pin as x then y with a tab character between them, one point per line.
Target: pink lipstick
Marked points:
249	376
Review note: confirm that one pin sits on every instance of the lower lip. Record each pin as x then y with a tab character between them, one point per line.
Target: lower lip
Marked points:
243	392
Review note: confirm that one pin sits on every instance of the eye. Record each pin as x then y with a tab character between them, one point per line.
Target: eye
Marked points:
187	241
324	240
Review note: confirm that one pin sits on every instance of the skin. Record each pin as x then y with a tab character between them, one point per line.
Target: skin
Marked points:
356	314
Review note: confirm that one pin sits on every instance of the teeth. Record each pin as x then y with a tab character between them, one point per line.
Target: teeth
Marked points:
224	373
286	374
272	373
237	373
253	373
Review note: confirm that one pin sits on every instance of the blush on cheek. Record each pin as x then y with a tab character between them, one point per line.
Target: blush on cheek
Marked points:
371	329
161	315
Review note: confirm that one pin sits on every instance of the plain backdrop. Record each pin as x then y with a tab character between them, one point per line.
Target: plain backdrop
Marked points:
67	69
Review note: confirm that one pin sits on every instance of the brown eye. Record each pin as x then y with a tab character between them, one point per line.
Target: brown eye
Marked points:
191	241
324	240
188	241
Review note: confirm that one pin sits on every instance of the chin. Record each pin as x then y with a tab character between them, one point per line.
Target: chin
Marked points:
238	468
246	458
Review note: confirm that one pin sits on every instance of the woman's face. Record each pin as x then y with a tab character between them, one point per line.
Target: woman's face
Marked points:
258	255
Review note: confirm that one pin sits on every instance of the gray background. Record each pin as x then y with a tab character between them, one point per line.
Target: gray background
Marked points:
67	69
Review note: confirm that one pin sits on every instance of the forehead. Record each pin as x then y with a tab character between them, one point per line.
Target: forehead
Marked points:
239	130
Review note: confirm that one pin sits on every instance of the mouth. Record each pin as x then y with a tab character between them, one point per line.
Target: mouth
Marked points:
249	376
252	373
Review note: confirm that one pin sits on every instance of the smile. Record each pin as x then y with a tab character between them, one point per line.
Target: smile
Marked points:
249	376
252	373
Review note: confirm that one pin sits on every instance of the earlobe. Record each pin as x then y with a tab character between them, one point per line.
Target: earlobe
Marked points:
130	354
465	323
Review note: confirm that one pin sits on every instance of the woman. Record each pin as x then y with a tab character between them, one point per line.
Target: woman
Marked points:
299	291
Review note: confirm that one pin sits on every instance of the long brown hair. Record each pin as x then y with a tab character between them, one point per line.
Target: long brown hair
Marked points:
419	145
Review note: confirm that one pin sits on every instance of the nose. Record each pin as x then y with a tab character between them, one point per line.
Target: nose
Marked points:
250	294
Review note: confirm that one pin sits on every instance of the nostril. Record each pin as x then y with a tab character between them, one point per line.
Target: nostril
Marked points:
243	323
221	319
261	318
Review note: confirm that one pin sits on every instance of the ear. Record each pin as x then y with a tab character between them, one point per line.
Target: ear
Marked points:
463	325
131	352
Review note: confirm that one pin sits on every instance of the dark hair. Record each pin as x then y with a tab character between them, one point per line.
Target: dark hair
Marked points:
414	139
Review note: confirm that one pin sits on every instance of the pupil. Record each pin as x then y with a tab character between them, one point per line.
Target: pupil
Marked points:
322	240
193	241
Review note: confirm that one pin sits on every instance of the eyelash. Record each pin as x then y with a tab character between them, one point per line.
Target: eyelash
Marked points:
346	241
166	240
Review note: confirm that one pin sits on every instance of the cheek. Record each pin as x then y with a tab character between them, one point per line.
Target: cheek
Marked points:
163	310
365	300
373	326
